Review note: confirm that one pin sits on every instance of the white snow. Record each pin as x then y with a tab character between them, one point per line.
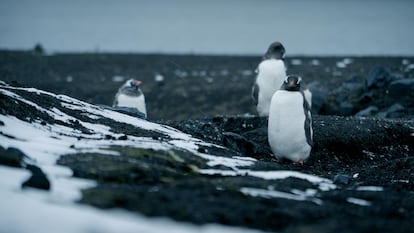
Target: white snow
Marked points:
315	62
370	188
405	62
245	158
298	195
265	193
296	62
323	183
246	72
358	201
340	64
11	178
409	67
344	63
348	61
118	79
159	78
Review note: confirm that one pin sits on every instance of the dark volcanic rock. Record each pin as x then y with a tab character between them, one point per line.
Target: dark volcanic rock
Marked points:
143	165
16	158
237	142
377	78
369	111
129	111
12	157
341	179
394	111
37	180
345	109
319	96
402	89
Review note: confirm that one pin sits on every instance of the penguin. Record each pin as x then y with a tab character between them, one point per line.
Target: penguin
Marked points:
130	95
271	72
290	132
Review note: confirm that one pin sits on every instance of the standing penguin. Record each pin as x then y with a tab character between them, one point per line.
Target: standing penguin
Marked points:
270	75
130	95
290	131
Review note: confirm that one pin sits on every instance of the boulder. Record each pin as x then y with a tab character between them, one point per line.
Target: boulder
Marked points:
394	111
38	179
400	89
369	111
378	77
11	156
345	109
319	96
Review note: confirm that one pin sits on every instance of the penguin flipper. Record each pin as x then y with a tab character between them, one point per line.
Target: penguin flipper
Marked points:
308	119
115	103
308	97
255	93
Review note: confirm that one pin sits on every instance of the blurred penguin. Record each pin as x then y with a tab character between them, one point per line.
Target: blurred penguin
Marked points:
130	95
271	73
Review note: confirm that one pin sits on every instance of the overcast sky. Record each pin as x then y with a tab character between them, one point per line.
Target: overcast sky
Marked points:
317	27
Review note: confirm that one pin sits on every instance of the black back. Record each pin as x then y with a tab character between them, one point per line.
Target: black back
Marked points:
276	51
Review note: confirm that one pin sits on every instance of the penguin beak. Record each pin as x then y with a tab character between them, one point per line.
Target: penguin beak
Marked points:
292	84
138	83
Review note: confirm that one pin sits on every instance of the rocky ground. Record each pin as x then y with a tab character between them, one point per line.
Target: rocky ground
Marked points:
194	87
359	177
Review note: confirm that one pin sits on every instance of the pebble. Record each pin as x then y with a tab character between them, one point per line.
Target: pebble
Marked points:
341	179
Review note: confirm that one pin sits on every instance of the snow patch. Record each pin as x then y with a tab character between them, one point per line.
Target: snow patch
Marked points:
264	193
118	79
315	62
358	201
323	183
159	78
296	62
370	188
344	63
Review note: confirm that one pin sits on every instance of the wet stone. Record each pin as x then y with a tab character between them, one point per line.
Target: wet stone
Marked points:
38	179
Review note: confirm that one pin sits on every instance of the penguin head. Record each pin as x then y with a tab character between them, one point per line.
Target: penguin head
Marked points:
131	88
132	84
292	83
275	51
135	83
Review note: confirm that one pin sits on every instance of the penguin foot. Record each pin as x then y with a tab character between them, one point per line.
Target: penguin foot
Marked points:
300	161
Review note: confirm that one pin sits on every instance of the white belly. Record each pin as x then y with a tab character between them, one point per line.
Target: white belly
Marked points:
132	102
286	129
271	74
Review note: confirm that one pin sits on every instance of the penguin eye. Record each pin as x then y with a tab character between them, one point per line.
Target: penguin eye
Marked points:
299	80
286	79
